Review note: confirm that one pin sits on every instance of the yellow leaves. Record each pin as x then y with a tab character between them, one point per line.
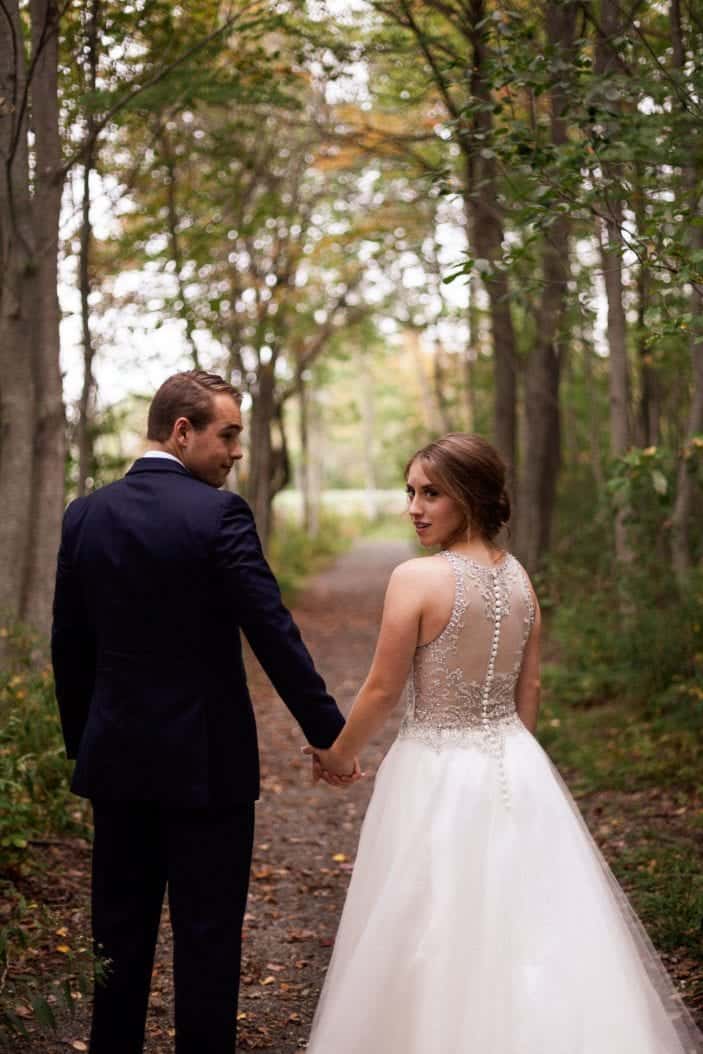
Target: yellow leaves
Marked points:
63	948
339	858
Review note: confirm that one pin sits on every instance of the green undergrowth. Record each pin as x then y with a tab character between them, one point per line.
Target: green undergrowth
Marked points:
622	718
295	554
626	745
391	528
35	805
635	770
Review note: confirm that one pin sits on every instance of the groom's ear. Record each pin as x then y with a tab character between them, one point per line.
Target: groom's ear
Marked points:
182	428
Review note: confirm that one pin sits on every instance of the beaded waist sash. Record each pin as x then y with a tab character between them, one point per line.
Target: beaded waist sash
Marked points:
438	736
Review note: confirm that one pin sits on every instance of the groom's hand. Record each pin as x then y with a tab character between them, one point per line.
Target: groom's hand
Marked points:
327	765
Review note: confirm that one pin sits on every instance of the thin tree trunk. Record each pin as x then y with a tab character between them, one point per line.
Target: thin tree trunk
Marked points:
18	297
685	485
647	422
612	251
593	421
438	386
433	423
87	397
174	240
86	405
304	436
368	434
681	516
259	485
316	465
470	357
49	454
486	239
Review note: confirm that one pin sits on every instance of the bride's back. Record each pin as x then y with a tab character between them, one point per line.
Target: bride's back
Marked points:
463	681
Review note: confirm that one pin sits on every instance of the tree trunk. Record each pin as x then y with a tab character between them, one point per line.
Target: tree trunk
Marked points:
49	454
259	488
680	520
86	405
543	421
647	422
470	357
593	421
303	438
433	423
18	297
486	239
439	386
175	245
316	465
612	250
368	434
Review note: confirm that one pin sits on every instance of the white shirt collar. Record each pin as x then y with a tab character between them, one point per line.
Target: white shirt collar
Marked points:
162	453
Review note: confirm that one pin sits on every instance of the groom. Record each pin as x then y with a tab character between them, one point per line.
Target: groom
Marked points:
157	573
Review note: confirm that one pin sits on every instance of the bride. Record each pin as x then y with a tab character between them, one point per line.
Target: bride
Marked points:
481	917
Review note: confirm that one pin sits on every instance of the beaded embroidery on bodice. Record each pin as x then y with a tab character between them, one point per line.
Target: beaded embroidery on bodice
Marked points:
462	684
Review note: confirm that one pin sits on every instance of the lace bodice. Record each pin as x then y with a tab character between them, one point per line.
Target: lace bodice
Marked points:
462	684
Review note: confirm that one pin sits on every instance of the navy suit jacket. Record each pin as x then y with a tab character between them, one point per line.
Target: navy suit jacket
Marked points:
157	573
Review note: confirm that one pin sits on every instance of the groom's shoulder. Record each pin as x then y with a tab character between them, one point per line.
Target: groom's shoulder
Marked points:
233	507
77	507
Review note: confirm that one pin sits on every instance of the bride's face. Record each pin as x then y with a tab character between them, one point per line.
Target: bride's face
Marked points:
436	517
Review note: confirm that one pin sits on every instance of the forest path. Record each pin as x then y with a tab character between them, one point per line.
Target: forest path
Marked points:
306	836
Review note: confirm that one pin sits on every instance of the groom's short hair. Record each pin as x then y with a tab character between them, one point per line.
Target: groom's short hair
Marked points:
189	394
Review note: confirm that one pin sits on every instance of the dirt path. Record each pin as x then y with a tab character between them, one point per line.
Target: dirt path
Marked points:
305	836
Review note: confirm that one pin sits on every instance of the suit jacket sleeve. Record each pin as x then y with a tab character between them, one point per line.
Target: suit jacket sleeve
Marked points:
72	642
269	627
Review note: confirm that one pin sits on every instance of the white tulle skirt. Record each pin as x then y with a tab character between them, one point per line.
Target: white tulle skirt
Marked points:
473	928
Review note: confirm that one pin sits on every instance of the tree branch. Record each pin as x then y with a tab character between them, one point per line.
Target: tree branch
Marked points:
139	89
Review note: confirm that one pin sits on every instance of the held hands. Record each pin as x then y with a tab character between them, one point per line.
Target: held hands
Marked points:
329	766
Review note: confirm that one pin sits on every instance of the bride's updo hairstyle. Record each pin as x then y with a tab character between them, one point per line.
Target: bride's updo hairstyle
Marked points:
472	472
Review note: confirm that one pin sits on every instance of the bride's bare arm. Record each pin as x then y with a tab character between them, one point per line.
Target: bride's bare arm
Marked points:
395	648
527	692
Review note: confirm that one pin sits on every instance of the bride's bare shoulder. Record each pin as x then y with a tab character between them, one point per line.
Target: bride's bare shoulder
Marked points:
421	571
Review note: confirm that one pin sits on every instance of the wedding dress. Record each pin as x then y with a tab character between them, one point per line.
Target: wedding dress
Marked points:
481	917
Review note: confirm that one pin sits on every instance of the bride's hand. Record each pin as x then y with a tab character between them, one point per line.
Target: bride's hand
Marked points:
330	766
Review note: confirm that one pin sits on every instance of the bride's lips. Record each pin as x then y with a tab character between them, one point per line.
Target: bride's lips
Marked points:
421	526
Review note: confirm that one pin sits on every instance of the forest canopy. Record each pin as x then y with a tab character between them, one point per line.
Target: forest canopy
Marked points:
383	221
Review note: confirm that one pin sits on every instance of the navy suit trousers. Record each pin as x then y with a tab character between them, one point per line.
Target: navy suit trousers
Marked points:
203	857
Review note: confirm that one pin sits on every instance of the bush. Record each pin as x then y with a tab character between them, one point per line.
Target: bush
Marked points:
34	771
35	802
651	655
